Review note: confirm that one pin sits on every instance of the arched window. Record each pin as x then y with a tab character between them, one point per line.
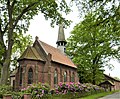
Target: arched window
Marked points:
21	70
55	77
30	76
65	76
69	76
73	77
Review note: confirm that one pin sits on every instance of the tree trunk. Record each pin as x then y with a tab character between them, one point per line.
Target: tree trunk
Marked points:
5	72
93	74
6	64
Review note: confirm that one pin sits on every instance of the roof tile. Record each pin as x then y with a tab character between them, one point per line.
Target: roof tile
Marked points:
57	56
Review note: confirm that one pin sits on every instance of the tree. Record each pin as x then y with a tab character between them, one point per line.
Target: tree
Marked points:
91	46
20	44
15	18
106	12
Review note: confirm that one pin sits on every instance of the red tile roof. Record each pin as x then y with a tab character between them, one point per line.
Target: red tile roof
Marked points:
57	56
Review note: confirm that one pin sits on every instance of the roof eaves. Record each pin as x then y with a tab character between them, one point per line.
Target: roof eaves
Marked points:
112	77
65	64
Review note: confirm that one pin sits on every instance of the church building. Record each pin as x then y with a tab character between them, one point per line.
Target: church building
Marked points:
44	63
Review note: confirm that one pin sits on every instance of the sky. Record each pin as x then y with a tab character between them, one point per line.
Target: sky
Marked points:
41	28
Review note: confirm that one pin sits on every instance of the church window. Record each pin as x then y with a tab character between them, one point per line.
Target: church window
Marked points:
65	76
55	77
30	76
70	76
73	77
21	70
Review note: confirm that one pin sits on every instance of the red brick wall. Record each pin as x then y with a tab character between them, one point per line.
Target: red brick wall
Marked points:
26	65
43	72
60	75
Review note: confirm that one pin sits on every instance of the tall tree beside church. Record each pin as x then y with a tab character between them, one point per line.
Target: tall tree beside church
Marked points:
91	46
106	12
15	18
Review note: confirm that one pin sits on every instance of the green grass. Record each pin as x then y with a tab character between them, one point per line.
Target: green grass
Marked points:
96	96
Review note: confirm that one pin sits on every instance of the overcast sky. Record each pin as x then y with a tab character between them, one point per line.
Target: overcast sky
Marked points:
41	28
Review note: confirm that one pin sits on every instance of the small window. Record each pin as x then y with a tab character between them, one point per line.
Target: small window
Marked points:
30	76
65	76
55	77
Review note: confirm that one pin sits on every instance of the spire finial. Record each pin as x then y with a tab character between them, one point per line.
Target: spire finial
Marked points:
36	38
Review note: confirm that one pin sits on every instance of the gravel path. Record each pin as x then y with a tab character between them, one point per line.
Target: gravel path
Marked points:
112	96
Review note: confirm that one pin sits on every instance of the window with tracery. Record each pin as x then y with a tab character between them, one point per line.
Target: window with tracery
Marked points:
30	76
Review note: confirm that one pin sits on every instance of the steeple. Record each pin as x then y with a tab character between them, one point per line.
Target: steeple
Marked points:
61	42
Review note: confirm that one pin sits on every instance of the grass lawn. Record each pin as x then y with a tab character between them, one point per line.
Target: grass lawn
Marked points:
96	96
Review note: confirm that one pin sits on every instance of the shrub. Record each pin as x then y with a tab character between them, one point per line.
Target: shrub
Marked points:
5	89
75	90
17	95
37	91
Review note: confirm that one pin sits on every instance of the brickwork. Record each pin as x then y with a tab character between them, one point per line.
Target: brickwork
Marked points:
43	60
44	73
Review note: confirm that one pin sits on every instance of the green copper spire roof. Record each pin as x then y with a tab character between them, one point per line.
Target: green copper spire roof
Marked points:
61	36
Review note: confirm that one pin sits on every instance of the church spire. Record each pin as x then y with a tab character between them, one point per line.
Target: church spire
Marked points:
61	42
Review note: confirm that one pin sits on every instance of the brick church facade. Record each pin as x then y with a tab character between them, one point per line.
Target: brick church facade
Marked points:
44	63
